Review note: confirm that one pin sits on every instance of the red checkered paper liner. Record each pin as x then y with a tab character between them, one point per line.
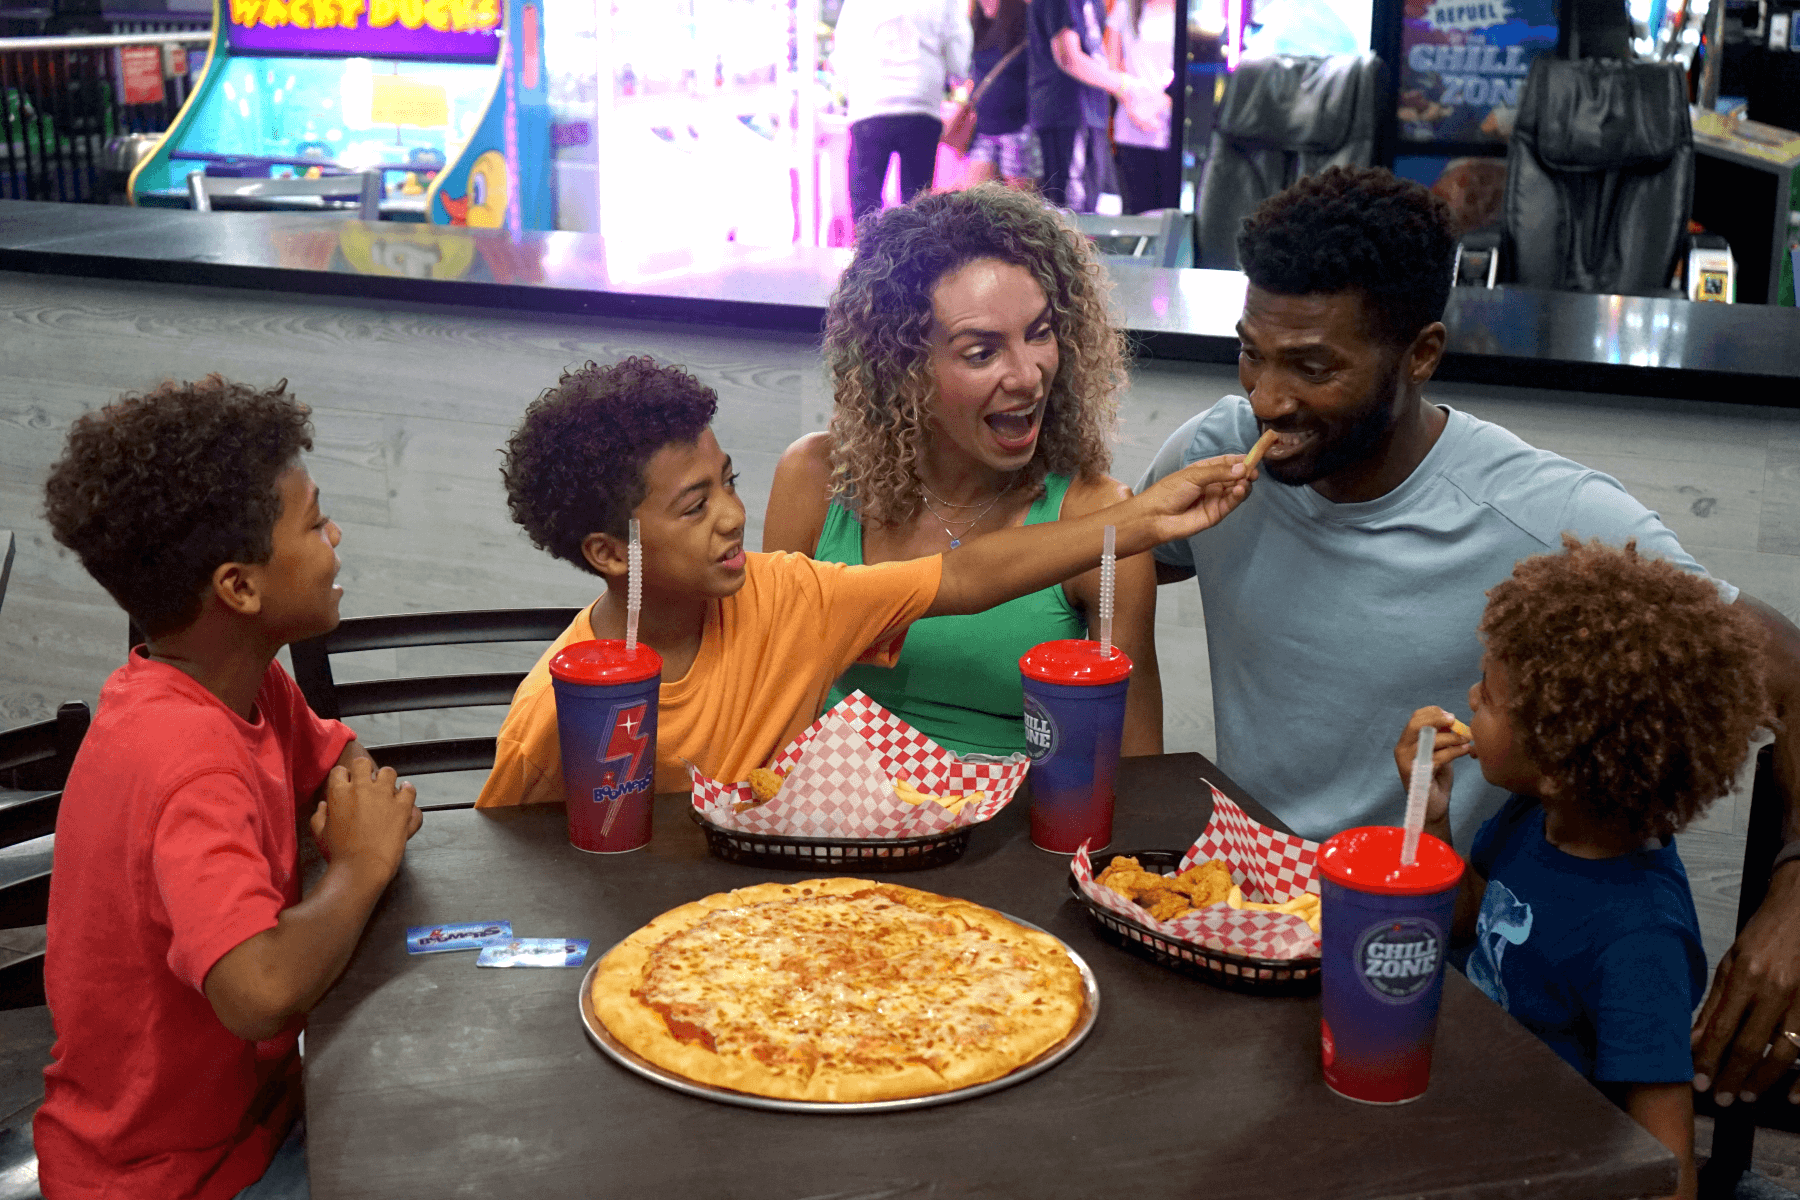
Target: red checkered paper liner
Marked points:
1271	867
838	782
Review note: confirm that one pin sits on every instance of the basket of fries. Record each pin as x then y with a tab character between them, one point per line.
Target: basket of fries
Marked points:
858	789
1238	909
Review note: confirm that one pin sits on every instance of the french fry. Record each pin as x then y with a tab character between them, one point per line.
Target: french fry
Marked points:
910	794
1261	448
1457	727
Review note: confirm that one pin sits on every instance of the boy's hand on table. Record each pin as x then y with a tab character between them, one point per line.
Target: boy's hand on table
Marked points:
1195	498
1449	747
1740	1047
367	817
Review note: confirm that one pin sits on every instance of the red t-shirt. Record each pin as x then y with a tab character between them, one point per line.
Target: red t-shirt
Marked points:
175	843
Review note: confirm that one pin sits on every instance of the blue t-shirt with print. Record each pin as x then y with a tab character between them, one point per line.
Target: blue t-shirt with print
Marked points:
1600	958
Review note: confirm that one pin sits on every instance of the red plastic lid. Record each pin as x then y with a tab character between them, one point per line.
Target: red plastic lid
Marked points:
604	662
1368	860
1074	661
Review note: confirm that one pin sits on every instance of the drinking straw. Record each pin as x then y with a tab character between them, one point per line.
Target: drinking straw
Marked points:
634	589
1106	592
1418	790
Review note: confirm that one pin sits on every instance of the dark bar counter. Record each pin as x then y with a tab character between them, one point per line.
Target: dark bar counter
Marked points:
1624	345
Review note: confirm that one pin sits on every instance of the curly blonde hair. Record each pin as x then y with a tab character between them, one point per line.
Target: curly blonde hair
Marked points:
1635	687
878	331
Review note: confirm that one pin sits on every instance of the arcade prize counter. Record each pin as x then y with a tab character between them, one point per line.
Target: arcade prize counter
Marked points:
447	98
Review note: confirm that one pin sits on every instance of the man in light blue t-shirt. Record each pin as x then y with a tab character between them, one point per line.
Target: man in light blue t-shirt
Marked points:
1345	591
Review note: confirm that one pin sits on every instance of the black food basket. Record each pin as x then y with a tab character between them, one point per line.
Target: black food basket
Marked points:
834	854
1240	973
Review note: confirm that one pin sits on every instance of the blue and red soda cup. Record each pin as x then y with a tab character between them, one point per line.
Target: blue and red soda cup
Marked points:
1074	722
1385	929
606	717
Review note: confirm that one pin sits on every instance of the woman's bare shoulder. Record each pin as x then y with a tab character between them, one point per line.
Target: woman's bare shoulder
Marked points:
799	495
1091	493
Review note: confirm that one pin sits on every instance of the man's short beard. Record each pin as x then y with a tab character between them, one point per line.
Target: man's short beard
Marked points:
1354	445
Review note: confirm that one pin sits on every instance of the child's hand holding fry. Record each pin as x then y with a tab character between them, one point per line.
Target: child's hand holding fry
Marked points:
1453	741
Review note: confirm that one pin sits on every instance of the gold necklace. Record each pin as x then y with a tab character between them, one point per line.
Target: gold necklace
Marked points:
971	522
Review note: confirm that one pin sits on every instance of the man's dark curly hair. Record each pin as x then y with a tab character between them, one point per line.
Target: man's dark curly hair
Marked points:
575	464
1361	229
1635	687
155	492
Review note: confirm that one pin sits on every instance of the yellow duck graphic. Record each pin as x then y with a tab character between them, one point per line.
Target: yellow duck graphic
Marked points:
483	204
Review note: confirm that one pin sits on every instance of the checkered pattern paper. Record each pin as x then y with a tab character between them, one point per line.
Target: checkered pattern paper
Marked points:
838	782
1271	867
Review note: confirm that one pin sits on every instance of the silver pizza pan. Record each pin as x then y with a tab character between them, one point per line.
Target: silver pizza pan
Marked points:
619	1053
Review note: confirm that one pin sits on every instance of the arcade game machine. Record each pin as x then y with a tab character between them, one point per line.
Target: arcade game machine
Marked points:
447	98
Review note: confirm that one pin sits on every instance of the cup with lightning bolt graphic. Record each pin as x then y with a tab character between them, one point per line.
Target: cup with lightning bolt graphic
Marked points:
606	718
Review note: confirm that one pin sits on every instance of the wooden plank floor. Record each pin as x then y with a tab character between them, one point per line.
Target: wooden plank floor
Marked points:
412	404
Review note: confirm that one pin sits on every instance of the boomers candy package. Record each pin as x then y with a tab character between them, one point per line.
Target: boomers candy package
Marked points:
861	772
1260	890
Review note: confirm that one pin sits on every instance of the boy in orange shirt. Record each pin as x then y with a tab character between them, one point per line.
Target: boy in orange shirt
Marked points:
750	643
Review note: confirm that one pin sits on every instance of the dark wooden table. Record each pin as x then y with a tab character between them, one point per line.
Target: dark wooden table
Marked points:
428	1077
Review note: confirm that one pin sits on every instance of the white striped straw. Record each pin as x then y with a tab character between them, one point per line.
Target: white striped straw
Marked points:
634	588
1418	789
1106	592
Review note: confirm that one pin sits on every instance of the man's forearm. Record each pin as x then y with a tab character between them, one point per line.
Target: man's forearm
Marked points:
1782	666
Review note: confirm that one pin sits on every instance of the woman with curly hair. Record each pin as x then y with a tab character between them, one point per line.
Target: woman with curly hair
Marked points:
975	371
1618	698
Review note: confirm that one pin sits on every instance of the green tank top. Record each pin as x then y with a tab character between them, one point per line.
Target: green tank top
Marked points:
957	680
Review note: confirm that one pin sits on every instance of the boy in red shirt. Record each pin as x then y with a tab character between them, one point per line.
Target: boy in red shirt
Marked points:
182	958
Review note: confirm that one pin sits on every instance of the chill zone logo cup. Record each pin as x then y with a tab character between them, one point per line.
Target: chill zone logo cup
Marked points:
606	705
1074	720
1381	970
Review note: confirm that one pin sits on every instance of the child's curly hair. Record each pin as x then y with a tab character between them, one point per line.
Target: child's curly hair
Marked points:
1635	687
156	491
575	464
878	340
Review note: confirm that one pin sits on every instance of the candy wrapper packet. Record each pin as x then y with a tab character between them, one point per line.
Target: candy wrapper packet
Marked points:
1271	867
838	781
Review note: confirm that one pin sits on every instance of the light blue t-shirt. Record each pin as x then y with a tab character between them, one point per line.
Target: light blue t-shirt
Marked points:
1328	624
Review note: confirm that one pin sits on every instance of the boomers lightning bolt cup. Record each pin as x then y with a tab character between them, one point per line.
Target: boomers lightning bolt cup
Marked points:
1074	722
1385	929
606	718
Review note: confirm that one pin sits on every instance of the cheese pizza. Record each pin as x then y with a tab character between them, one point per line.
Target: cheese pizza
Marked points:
838	991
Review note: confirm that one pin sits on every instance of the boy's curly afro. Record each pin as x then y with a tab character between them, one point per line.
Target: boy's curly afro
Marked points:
1357	229
1635	687
575	464
156	491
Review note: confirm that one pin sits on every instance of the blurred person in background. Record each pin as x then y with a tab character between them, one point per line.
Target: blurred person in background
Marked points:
1005	146
1141	44
1070	80
895	58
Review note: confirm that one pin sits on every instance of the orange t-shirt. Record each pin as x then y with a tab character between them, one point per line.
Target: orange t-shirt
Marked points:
767	660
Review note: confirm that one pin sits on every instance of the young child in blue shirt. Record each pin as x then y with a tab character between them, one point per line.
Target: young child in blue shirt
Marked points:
1618	699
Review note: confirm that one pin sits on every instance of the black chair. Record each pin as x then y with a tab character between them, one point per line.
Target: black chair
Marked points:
1599	182
1734	1128
329	698
1281	118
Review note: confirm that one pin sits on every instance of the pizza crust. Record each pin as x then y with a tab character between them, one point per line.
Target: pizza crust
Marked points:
1044	989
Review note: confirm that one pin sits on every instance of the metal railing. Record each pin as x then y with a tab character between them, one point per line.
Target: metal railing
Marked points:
63	99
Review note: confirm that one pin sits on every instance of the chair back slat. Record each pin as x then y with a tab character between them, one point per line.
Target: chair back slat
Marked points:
27	814
22	982
448	629
38	756
431	691
25	882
